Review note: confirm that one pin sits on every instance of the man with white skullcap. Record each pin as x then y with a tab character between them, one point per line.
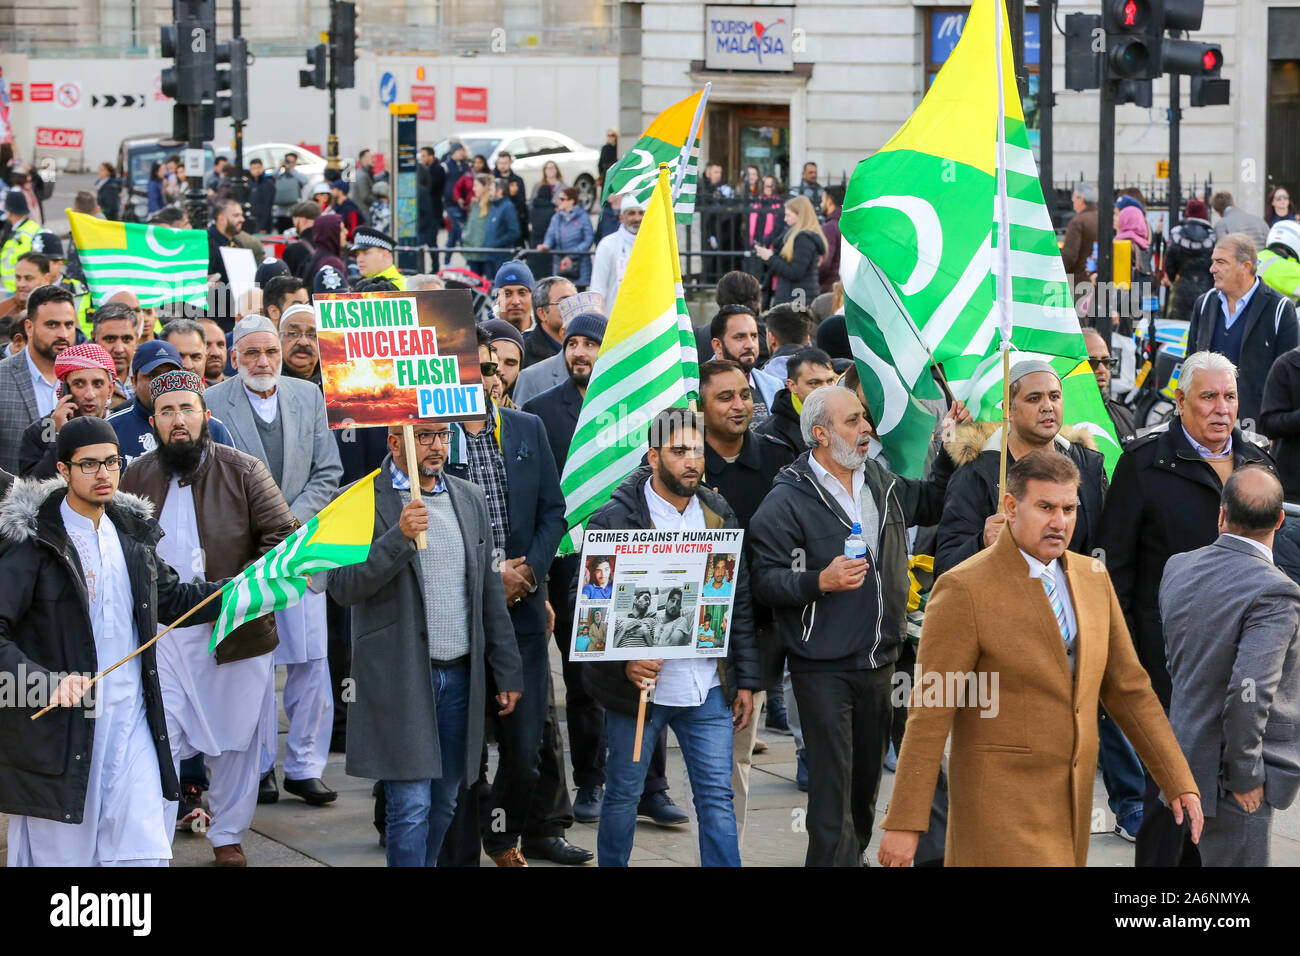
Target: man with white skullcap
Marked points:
282	421
610	261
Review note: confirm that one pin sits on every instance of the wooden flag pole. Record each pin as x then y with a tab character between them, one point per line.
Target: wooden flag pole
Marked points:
413	473
646	685
1006	425
139	650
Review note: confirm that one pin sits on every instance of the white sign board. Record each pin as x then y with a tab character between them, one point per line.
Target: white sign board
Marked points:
646	594
748	38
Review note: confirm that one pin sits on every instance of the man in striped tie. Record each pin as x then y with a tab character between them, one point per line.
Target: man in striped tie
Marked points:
1020	644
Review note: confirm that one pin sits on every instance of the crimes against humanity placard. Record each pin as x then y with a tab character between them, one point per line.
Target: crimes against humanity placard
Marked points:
398	358
647	594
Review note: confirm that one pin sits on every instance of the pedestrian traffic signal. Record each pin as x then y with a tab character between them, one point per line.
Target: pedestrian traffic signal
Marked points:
1132	38
1137	92
318	59
1082	51
344	38
1191	57
1182	14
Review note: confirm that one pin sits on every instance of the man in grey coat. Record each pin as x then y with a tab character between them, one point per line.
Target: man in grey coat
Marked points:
1234	659
425	626
281	421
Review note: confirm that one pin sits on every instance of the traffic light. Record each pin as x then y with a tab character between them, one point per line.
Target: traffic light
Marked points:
344	39
1082	52
1208	91
1137	92
1132	38
203	117
234	103
318	60
182	43
1191	57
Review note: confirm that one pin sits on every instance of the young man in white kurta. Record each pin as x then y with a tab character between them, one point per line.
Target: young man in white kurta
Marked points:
127	822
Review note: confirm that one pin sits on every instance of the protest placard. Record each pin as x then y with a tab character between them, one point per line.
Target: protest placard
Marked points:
399	358
646	594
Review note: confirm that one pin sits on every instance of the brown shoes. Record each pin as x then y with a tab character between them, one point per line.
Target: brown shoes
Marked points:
230	855
512	857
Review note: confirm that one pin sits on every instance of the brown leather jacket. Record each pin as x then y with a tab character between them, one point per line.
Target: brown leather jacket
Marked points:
241	515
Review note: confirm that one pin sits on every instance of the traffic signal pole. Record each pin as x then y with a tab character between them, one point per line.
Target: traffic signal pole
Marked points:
1102	301
239	124
1175	117
332	159
1046	99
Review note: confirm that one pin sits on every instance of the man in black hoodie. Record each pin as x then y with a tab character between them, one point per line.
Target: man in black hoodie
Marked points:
841	621
704	700
805	371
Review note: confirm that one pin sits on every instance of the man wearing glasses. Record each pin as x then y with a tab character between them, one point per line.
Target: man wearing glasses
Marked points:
1103	366
85	588
282	422
427	624
219	510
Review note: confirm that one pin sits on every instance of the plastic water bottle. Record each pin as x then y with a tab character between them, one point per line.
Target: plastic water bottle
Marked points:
854	546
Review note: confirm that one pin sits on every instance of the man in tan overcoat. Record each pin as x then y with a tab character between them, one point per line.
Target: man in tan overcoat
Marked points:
1042	631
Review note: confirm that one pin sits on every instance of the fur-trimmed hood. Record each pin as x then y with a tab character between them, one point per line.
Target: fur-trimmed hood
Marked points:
20	512
976	437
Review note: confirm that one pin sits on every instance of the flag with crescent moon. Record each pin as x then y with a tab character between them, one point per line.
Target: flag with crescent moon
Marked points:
158	264
673	139
948	250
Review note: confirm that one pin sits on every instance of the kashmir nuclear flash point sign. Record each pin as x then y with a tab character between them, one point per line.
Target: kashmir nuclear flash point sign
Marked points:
399	358
647	594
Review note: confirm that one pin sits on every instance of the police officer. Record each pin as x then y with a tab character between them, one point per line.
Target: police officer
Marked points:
373	251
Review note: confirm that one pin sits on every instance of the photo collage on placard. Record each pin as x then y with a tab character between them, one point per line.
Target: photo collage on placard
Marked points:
716	594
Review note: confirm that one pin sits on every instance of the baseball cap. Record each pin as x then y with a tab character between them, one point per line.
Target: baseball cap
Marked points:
154	354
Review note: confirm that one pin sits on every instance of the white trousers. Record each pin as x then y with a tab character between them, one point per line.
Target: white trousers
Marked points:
232	790
309	705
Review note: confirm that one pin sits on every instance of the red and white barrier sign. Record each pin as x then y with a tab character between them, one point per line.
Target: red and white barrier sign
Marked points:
42	92
425	98
58	138
471	104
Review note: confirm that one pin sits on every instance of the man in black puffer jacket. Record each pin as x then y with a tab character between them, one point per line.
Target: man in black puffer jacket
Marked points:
704	700
842	623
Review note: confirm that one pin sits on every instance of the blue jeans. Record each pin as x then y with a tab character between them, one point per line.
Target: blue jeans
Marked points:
705	734
1121	770
455	225
419	811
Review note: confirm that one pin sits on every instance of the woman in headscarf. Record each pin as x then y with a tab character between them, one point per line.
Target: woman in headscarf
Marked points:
326	271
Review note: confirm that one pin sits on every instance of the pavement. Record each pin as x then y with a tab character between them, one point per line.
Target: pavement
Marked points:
291	833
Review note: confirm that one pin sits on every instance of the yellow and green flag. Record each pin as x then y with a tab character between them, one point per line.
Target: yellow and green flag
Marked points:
647	362
673	139
158	264
338	535
948	251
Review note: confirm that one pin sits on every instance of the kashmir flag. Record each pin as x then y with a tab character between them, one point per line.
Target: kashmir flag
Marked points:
158	264
338	535
674	139
647	362
929	270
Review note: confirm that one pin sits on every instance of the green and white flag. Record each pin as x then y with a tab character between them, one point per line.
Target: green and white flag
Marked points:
672	139
928	270
158	264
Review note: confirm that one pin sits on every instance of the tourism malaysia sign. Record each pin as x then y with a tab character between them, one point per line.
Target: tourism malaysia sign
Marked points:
749	38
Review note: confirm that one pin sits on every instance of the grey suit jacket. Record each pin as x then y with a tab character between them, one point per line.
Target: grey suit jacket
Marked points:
312	468
536	379
17	408
1232	641
393	720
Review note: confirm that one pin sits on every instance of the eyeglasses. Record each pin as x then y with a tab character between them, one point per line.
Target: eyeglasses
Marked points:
292	334
1111	362
428	438
91	466
489	369
167	414
254	354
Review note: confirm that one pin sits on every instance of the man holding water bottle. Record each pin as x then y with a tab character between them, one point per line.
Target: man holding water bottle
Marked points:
841	619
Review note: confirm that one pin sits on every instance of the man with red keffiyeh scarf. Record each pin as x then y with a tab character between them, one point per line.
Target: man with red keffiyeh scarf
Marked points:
86	373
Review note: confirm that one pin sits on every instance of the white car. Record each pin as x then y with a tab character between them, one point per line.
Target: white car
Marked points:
309	164
530	150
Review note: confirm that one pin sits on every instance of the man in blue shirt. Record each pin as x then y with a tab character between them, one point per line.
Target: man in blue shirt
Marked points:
718	585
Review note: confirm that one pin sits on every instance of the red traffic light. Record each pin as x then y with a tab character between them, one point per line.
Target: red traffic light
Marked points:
1130	13
1212	59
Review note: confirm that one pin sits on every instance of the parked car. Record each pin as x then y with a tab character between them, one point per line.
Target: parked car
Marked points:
136	156
311	165
530	150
